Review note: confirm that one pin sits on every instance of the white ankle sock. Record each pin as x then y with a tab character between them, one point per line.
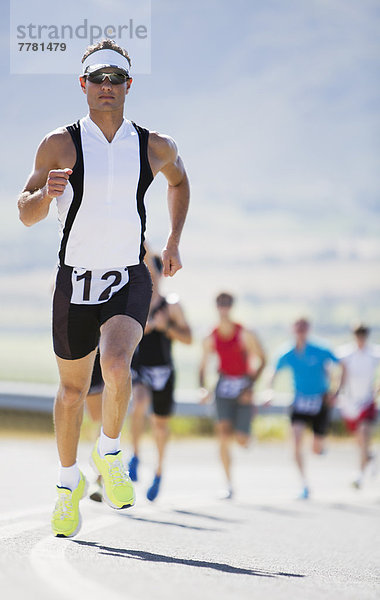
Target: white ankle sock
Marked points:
69	477
108	445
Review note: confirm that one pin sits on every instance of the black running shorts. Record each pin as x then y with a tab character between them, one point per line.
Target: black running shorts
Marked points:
319	423
163	400
76	327
162	394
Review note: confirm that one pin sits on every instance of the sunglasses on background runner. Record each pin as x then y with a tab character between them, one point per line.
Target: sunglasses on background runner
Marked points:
115	78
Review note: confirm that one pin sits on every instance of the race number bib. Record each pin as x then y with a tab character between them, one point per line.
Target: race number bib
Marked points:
308	404
156	377
97	286
231	387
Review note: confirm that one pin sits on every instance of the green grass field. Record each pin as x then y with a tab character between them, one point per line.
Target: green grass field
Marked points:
271	428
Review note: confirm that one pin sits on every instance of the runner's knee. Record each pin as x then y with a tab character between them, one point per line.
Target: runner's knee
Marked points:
140	396
115	368
242	439
224	429
71	395
139	408
161	425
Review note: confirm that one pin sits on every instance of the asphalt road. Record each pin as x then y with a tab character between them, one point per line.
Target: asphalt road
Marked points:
189	544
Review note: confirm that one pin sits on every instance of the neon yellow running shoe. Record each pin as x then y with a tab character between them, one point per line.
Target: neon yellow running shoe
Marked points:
118	490
66	520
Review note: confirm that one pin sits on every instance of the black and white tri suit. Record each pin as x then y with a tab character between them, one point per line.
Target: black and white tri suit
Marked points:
152	365
102	218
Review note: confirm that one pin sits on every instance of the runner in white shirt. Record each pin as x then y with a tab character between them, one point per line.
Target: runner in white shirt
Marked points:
357	403
97	171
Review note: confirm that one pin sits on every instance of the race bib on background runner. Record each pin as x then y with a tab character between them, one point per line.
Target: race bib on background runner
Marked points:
308	404
97	286
231	387
156	377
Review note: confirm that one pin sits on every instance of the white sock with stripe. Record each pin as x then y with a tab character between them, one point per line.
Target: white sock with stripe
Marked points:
108	445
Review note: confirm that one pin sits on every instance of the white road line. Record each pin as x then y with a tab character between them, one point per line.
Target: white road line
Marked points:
48	559
8	531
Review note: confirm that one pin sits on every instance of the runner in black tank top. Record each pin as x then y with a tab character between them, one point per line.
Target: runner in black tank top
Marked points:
153	372
155	347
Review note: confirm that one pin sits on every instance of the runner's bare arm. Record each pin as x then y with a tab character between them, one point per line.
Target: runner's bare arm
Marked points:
338	378
164	158
46	181
178	327
343	376
207	350
255	351
149	261
269	386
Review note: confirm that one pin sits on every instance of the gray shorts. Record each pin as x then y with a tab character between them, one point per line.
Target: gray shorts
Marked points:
229	408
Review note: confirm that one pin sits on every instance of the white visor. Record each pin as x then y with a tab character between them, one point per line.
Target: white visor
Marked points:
105	58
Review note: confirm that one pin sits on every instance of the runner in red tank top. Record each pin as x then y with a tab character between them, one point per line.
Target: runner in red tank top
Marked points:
233	356
241	361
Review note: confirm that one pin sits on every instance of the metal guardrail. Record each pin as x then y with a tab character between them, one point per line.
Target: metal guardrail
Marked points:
29	397
37	397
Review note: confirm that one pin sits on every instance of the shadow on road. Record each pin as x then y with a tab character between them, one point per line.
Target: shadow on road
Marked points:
285	512
151	557
171	523
359	510
203	516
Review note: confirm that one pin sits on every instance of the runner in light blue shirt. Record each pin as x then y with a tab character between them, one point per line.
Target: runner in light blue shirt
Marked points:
312	400
309	366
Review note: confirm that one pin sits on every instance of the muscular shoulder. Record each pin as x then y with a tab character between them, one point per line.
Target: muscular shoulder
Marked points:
57	146
163	146
162	151
56	138
247	335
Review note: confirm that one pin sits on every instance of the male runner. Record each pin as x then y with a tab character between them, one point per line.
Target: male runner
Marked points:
153	373
241	361
357	403
312	401
103	288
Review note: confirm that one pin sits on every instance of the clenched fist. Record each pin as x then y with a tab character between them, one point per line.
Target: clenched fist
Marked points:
57	182
171	260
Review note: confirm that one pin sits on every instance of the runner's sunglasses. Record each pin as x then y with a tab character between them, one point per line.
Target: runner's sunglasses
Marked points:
115	77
